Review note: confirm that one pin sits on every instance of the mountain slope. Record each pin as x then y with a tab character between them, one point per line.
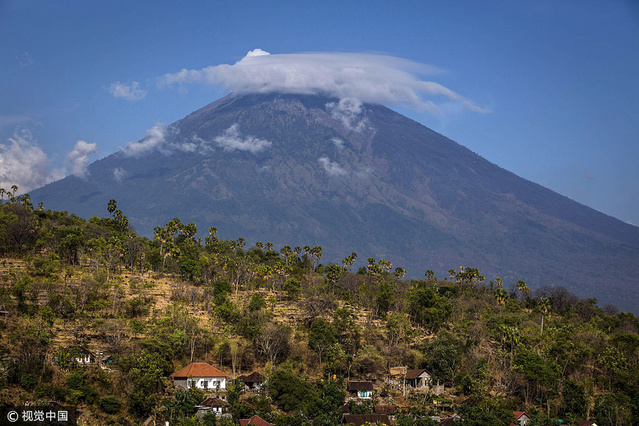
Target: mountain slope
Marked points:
300	170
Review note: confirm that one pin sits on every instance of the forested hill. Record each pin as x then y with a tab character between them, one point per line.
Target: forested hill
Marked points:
146	308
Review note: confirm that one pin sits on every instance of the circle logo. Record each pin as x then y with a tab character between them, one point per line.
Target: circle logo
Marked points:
13	416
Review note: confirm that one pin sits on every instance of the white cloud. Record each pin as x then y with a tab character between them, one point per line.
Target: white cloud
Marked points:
13	120
349	112
155	137
130	92
24	164
26	60
231	140
368	78
332	168
339	144
118	174
77	160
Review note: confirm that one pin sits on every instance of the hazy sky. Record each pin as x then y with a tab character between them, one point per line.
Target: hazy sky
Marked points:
548	90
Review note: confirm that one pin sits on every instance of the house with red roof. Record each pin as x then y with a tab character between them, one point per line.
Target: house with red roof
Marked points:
200	375
255	420
521	418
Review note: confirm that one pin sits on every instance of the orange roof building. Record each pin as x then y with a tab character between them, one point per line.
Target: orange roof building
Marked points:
200	375
255	420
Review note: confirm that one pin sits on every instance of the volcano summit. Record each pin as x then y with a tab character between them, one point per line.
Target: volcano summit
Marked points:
314	170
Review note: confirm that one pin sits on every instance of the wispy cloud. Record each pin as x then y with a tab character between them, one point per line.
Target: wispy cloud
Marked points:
118	174
78	159
339	144
26	60
366	77
331	168
231	140
24	164
349	112
13	120
154	139
130	92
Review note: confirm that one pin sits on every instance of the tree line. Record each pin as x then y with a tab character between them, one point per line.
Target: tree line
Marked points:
158	304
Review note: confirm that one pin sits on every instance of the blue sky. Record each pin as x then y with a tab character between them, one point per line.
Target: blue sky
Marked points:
554	83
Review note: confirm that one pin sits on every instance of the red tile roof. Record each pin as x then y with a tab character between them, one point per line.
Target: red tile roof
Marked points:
255	420
518	414
214	402
199	369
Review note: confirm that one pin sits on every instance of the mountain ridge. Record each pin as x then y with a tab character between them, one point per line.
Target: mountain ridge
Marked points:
306	169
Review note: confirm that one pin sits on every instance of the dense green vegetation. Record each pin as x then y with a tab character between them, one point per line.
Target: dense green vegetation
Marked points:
157	305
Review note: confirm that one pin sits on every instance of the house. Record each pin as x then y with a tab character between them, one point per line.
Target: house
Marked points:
255	420
586	423
254	381
107	359
521	418
211	405
363	419
360	389
81	355
388	410
200	375
418	379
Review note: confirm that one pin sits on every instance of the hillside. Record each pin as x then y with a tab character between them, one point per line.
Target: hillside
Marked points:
70	286
301	170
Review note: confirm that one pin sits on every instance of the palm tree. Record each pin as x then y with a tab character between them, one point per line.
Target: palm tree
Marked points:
2	192
400	272
14	188
523	288
545	307
499	282
111	206
501	295
385	264
349	260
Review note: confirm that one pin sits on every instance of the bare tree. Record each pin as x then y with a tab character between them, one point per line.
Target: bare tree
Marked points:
274	341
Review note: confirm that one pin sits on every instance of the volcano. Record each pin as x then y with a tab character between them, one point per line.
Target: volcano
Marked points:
312	170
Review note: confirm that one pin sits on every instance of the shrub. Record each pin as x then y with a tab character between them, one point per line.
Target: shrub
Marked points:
110	404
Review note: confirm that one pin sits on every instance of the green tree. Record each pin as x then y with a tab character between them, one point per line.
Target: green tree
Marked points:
321	337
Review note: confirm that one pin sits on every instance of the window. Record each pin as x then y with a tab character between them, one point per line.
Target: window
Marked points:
205	384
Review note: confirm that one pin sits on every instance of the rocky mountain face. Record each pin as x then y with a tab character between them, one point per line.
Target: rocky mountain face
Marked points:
309	170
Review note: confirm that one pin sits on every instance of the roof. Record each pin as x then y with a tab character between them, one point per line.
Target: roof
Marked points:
384	409
199	369
586	423
255	420
360	386
413	374
518	414
80	348
214	402
362	419
254	377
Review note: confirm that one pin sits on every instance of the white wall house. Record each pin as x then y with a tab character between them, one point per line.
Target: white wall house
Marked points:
200	375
